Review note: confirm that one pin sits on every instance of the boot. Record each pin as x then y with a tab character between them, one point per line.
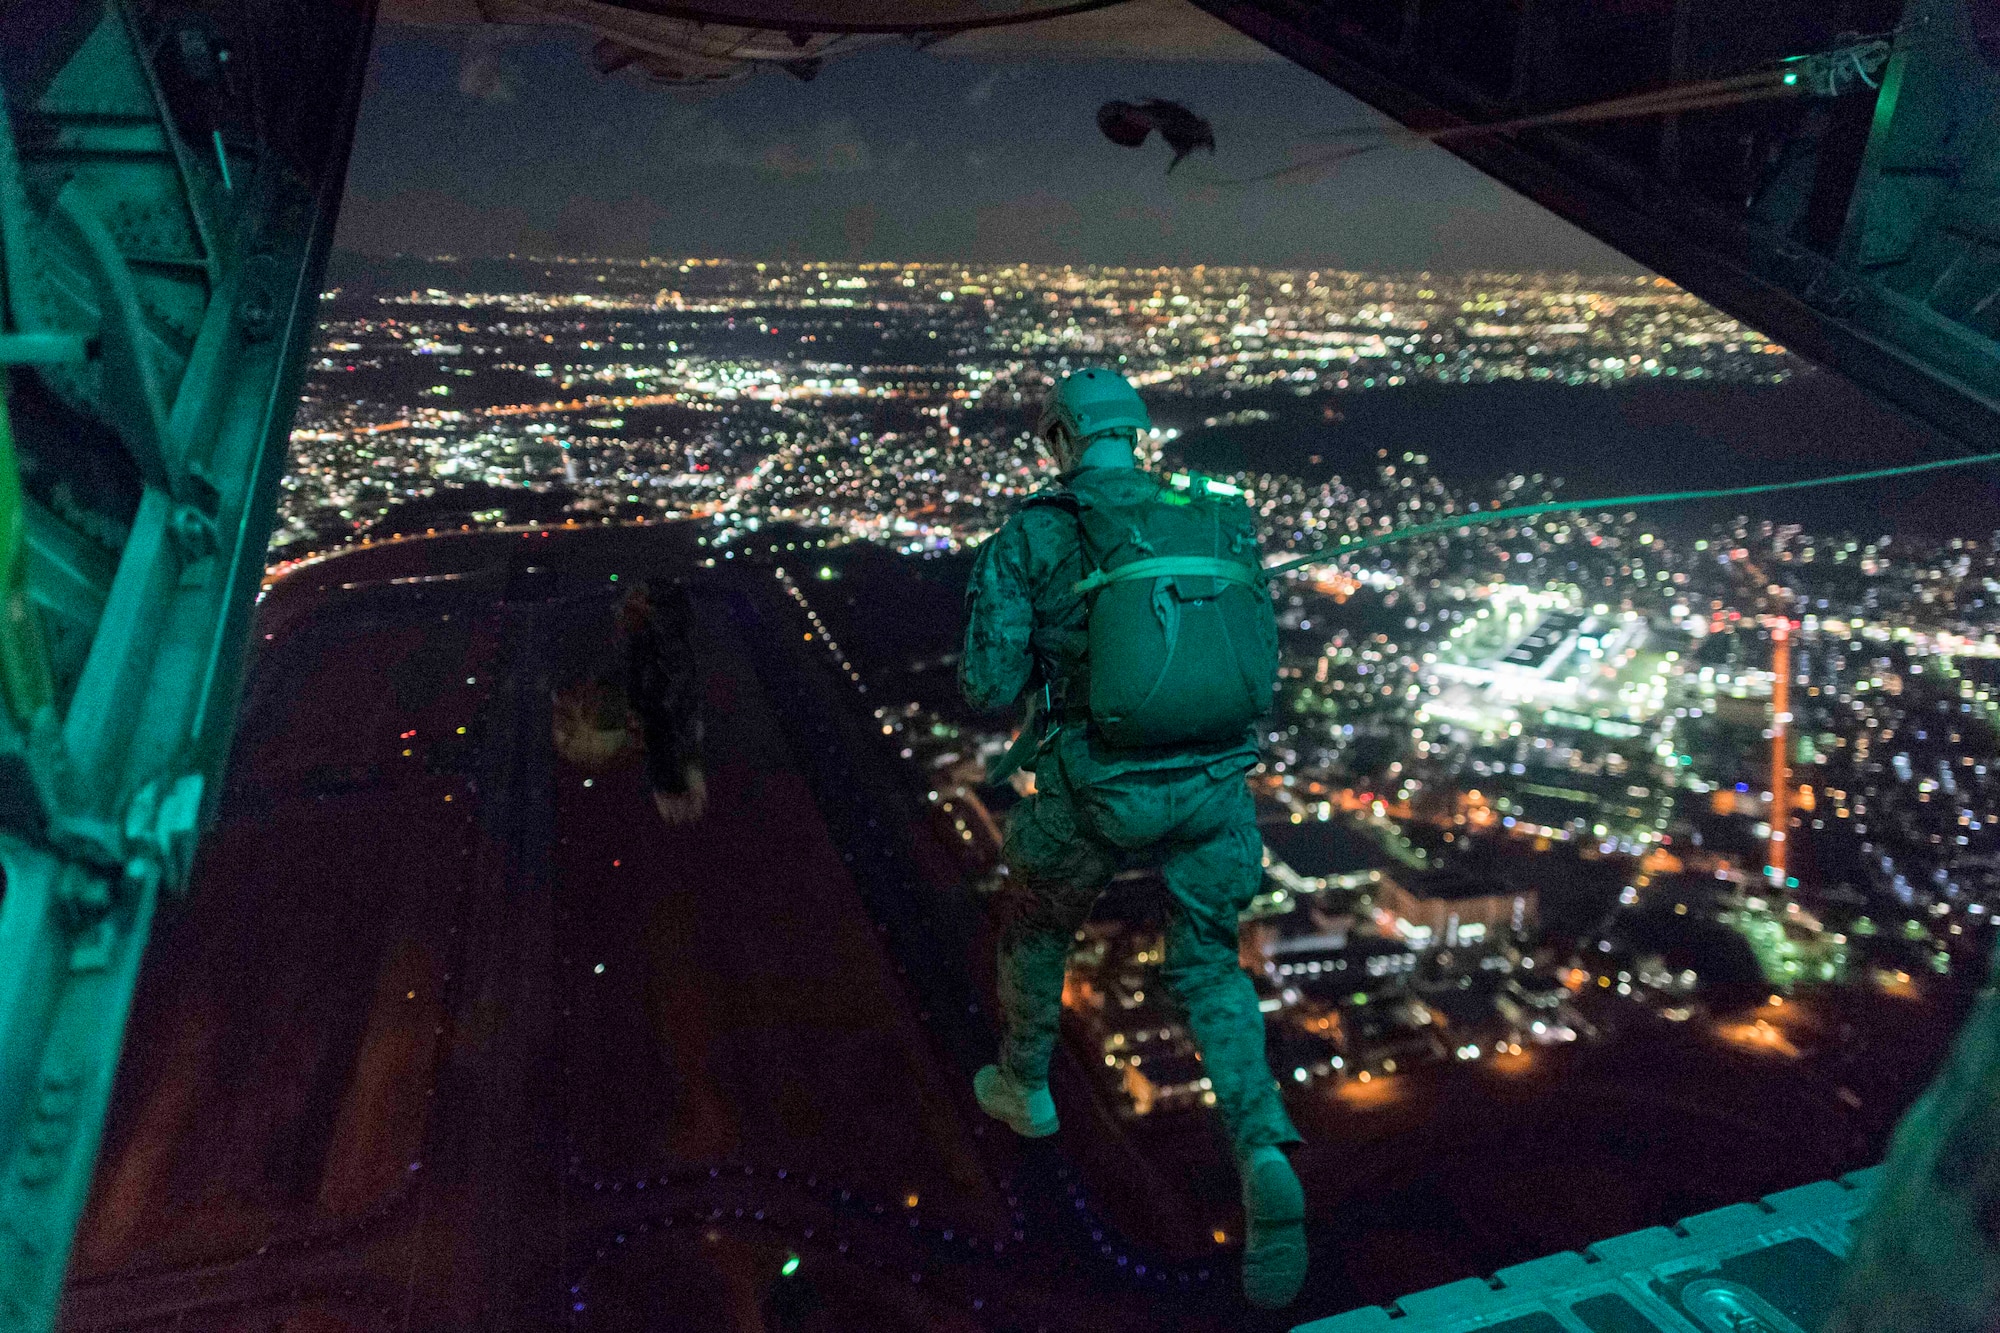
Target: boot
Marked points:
1274	1241
1029	1112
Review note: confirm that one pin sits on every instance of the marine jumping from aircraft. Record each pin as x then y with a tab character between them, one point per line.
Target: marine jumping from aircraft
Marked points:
651	700
1134	611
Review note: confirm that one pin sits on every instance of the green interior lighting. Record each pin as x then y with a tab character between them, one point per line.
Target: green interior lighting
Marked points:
1195	482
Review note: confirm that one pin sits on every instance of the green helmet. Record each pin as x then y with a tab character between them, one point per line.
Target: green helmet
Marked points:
1085	404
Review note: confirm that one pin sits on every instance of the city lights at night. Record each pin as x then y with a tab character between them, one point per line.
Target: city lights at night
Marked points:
999	666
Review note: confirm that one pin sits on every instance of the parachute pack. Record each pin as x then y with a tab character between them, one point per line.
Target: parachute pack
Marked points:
1183	642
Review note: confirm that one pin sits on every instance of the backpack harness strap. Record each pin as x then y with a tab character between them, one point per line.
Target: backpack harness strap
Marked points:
1169	566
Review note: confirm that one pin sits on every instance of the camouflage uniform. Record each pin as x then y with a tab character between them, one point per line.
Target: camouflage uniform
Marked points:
1097	811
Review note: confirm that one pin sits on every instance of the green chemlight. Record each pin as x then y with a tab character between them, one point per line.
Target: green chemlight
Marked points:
1195	482
1791	77
791	1266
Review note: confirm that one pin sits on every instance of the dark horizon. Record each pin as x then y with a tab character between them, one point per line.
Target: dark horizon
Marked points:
348	254
470	144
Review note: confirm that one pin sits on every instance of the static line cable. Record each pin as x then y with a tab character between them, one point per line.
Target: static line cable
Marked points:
1687	97
1701	97
1671	101
1479	518
1822	74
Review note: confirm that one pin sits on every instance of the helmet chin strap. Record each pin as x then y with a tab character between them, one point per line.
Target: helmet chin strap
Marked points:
1057	445
1114	451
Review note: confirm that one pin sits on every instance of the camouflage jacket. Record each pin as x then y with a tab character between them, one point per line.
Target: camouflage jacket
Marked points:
1025	629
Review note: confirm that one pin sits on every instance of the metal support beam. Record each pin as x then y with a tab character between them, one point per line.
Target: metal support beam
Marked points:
1938	368
159	303
62	1019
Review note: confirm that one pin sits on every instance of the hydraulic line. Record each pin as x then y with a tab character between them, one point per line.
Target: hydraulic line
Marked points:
24	657
1478	518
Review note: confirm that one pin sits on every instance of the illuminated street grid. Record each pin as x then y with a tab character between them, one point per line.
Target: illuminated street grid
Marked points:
838	389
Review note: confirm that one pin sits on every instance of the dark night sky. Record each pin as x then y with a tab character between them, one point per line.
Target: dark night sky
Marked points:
892	153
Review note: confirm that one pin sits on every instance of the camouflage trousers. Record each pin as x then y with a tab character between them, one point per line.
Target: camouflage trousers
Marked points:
1064	844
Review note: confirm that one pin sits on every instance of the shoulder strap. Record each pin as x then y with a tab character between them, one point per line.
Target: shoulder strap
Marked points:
1061	497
